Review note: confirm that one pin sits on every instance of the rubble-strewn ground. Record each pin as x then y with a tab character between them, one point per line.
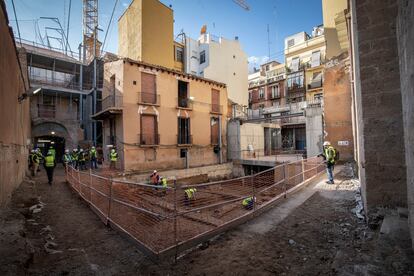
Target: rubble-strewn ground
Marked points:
314	233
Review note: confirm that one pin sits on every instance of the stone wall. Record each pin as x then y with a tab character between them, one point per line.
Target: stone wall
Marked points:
383	170
14	116
405	34
314	131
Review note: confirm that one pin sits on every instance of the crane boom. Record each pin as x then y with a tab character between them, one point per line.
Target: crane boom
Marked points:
242	4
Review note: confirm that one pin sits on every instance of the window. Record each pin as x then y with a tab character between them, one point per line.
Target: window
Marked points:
48	100
214	130
275	91
267	67
250	96
215	101
148	89
149	130
291	42
276	103
261	93
295	64
183	94
202	57
295	80
183	137
179	54
183	153
316	80
316	59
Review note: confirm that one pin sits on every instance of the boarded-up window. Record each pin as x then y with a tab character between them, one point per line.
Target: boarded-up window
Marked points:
148	88
149	132
215	100
214	126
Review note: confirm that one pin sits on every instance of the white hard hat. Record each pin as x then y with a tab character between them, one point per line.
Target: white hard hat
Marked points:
81	150
32	151
326	143
155	171
75	149
66	150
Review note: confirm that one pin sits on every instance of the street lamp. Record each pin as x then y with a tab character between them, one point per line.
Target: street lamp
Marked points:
53	133
28	93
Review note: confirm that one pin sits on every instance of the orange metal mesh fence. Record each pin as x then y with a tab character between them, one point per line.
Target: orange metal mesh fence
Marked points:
160	218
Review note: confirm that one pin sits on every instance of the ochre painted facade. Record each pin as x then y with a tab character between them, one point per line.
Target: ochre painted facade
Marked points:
165	154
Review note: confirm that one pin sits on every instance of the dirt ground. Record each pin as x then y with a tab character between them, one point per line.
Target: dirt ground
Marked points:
312	233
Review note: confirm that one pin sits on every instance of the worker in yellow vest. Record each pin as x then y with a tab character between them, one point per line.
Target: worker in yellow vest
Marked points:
35	161
93	155
113	157
248	202
189	195
50	166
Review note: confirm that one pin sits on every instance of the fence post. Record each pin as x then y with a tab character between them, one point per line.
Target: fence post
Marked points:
90	185
175	221
253	191
303	169
108	216
284	179
79	183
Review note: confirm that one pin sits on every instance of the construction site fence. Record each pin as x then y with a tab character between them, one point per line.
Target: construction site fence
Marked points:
163	221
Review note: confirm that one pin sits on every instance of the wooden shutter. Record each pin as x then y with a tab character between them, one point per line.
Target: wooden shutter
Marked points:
148	130
215	100
148	88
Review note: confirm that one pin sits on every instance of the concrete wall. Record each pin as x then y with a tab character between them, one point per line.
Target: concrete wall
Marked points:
381	150
337	105
314	131
145	33
14	116
405	35
233	140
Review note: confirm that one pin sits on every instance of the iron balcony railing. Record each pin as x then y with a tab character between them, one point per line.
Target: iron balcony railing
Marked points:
184	139
112	101
216	108
149	98
184	103
149	139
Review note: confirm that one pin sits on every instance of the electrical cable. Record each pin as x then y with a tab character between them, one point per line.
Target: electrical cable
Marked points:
109	24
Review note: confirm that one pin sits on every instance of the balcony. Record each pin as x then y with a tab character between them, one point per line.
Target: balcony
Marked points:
275	96
149	98
293	120
111	105
149	139
184	103
183	140
216	109
315	84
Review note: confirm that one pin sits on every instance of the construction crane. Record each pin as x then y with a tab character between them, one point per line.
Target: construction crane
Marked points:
242	4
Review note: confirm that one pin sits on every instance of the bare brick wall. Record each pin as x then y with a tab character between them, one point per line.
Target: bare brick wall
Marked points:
385	171
405	34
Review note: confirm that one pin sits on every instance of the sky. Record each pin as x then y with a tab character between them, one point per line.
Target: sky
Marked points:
222	17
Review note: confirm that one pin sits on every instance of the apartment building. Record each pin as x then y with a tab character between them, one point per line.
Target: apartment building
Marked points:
219	59
160	118
304	58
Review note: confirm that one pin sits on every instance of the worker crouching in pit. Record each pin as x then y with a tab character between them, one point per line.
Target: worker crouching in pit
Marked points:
248	203
189	196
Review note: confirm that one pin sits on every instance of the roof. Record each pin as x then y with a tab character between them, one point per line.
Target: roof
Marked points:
173	71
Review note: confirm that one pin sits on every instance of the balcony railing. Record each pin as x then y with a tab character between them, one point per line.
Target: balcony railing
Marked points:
184	139
184	103
293	120
46	110
149	139
149	98
275	96
111	101
216	108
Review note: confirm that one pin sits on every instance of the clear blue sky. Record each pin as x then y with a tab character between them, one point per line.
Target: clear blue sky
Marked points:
222	17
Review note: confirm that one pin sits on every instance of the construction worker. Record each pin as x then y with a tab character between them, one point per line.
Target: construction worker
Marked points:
93	155
35	162
164	185
155	178
329	154
67	158
189	195
82	160
40	157
50	166
113	157
248	203
75	156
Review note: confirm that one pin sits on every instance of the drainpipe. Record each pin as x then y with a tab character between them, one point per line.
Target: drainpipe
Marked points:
220	142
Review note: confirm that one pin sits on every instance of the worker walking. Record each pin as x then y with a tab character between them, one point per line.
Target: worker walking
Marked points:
113	157
82	160
189	195
35	162
330	156
67	158
40	157
93	155
52	150
75	158
248	203
49	166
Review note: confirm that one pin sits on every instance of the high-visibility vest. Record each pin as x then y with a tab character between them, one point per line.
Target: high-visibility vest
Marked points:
247	201
190	192
75	156
50	161
81	156
35	158
66	158
92	153
330	154
113	156
53	151
164	183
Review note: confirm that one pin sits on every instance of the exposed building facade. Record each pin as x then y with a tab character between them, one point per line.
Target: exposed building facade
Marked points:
160	118
219	59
